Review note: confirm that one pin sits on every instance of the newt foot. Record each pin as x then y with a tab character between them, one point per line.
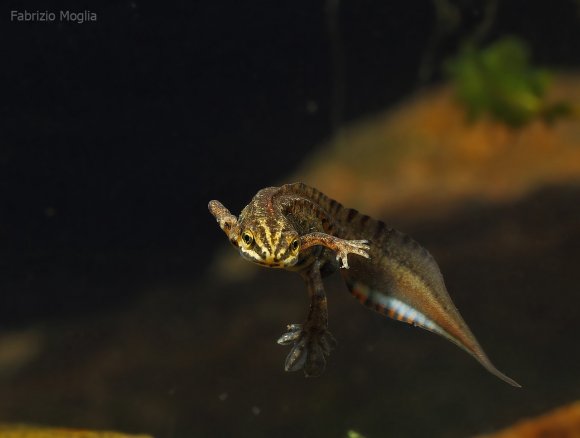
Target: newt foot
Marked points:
346	247
309	350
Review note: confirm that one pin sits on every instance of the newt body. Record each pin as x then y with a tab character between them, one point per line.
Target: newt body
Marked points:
298	228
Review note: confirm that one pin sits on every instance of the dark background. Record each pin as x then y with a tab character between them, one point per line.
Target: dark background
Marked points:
115	134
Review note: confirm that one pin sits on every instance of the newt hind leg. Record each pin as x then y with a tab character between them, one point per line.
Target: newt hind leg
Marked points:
311	342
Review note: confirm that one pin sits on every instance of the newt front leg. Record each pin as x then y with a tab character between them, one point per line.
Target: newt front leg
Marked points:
312	341
340	246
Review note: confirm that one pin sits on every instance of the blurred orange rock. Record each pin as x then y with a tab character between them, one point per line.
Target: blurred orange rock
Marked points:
424	156
22	431
563	422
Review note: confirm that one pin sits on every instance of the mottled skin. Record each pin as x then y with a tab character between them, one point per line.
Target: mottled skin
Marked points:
298	228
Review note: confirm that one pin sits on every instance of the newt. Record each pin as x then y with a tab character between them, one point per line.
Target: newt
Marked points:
298	228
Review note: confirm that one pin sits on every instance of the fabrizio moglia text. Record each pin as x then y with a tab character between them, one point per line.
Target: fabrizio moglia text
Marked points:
79	17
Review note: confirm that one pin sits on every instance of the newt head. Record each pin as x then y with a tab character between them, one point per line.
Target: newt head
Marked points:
259	238
267	245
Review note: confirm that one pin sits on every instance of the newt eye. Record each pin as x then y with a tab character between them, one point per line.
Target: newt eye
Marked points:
295	245
247	238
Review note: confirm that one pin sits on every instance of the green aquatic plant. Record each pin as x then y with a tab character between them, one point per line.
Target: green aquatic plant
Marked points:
500	81
354	434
